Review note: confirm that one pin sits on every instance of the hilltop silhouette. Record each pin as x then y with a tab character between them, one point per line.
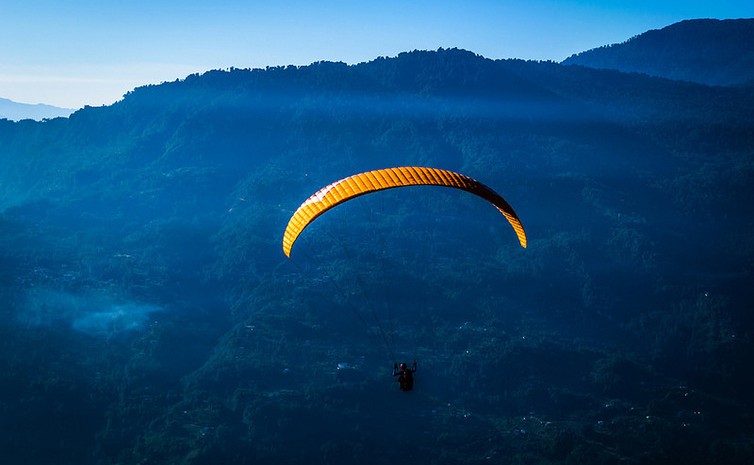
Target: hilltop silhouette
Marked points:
706	51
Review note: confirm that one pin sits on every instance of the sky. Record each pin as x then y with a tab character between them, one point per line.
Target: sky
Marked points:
74	53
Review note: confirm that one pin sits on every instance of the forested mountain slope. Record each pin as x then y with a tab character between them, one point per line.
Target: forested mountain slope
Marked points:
147	291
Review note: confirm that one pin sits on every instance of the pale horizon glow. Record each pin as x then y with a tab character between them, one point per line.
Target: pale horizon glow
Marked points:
92	52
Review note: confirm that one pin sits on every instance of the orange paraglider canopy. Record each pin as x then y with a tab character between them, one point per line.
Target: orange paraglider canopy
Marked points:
388	178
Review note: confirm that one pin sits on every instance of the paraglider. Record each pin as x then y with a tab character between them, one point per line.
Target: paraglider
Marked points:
377	180
372	181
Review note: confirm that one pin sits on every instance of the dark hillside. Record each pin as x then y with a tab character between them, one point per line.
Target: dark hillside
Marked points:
148	298
705	51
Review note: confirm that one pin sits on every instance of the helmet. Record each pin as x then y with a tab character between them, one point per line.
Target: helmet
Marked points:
403	366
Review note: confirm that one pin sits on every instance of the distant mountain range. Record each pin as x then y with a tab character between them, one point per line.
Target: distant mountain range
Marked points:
705	51
15	111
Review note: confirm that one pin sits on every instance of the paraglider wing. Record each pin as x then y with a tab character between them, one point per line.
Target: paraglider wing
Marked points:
372	181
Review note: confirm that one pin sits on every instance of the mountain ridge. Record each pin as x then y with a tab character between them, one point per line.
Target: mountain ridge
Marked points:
706	51
710	66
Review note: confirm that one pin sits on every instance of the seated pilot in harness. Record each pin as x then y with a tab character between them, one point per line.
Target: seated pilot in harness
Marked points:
405	375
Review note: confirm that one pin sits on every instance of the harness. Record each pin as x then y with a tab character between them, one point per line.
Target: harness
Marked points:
406	380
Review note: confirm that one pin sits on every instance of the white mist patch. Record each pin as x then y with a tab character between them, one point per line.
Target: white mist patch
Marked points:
93	313
116	319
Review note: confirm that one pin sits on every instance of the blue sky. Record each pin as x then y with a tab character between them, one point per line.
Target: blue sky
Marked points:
90	52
